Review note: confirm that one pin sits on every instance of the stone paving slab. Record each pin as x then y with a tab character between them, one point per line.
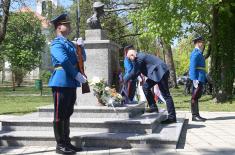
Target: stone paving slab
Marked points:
210	137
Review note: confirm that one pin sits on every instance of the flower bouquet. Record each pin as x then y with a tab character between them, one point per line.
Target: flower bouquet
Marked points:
112	98
106	96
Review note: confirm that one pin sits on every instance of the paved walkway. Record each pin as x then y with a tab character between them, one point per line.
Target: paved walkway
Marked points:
216	136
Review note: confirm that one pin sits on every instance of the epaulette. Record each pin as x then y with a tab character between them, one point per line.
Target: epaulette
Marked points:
58	40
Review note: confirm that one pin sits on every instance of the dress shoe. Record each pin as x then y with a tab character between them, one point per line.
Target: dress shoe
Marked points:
150	110
74	148
168	121
61	149
198	119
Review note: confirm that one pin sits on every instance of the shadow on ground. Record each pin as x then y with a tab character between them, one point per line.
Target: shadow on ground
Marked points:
182	140
222	118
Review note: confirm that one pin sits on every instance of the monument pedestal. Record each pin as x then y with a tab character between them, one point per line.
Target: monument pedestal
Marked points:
102	61
98	127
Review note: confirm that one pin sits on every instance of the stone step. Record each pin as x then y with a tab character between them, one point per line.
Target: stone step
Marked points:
145	123
166	136
127	111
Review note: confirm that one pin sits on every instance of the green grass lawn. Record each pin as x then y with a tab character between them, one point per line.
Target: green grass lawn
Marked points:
23	99
206	103
27	99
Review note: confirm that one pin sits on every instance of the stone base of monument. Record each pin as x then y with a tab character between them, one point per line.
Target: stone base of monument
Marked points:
126	127
99	111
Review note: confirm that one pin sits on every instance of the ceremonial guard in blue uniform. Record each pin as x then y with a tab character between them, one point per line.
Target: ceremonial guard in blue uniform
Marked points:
65	78
197	74
157	73
130	86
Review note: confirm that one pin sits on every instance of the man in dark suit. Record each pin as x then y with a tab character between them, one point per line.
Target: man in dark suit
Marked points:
158	73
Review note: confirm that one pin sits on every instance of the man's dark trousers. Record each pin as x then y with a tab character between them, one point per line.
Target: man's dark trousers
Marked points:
164	88
64	100
196	94
131	89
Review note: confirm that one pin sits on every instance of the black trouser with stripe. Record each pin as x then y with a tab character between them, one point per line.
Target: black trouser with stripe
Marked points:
196	94
64	100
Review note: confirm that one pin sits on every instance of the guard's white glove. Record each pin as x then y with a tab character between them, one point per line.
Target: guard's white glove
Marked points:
195	83
80	42
80	78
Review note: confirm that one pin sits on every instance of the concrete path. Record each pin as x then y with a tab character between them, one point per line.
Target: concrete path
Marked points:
216	136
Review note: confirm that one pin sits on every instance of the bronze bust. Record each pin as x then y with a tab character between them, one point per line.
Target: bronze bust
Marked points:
94	21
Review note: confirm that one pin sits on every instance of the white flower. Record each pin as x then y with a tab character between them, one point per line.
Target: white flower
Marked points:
106	88
95	80
119	96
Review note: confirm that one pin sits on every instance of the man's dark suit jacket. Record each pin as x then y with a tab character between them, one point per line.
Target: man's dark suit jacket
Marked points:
149	65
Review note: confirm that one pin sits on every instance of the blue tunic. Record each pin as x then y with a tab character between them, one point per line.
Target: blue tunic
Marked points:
197	66
128	66
64	60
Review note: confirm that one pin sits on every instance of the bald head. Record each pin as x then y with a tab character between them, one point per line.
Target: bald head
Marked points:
131	54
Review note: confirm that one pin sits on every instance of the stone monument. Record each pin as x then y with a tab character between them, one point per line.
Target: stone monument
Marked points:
102	56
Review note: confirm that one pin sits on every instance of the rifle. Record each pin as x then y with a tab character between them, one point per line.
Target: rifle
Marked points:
80	65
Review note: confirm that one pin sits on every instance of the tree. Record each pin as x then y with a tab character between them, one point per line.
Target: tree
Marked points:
2	62
182	55
23	44
223	49
85	10
4	13
51	12
167	19
157	18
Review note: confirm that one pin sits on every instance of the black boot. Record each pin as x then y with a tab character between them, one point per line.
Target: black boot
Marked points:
168	121
61	149
67	138
198	119
195	112
59	132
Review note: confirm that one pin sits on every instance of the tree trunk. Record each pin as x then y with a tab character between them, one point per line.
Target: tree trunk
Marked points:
3	74
223	49
169	61
5	5
13	81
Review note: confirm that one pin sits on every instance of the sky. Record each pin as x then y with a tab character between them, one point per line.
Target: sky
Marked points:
32	4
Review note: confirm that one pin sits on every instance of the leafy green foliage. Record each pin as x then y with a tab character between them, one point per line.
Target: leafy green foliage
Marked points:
24	42
182	55
85	11
158	18
45	75
55	12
